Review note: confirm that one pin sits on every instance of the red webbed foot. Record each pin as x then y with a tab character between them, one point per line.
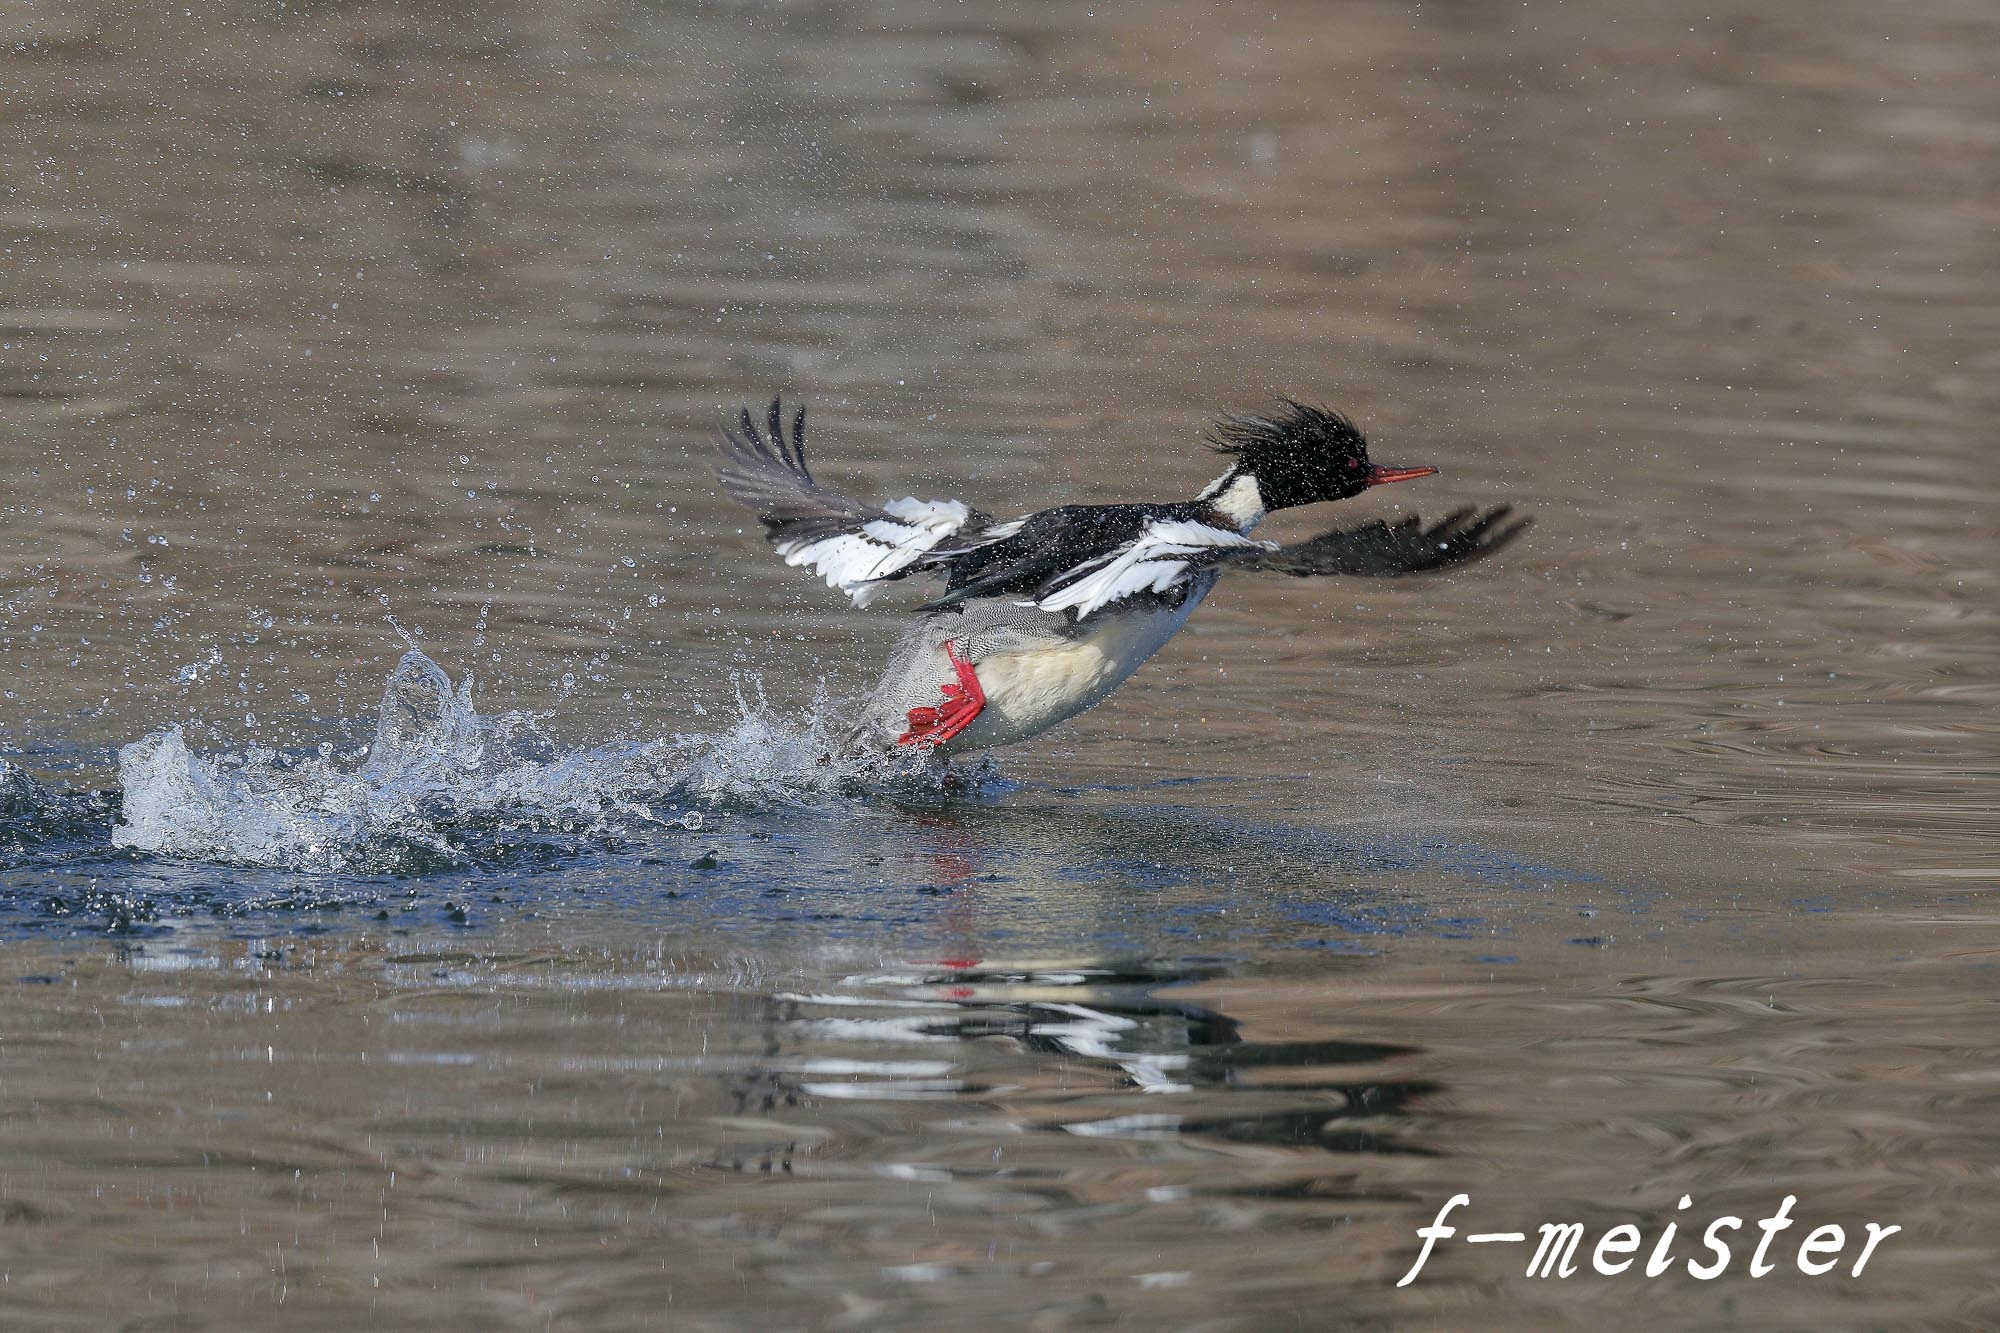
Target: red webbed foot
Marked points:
962	702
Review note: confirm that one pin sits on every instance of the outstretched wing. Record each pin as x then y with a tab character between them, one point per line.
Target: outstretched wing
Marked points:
1083	558
1166	553
853	546
1382	549
1157	550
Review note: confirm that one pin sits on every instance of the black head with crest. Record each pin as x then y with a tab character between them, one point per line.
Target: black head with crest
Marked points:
1303	455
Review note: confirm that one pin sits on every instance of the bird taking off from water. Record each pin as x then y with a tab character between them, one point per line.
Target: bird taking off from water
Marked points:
1043	616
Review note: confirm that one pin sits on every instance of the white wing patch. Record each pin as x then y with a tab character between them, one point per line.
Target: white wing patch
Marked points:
1154	561
853	561
946	516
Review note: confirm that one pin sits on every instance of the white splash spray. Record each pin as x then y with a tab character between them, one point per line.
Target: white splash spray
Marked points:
442	783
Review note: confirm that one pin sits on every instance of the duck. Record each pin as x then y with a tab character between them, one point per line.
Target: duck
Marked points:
1042	616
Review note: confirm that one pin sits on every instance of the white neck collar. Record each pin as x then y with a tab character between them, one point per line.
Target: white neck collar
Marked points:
1236	495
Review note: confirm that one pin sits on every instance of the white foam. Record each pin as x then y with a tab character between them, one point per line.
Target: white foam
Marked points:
440	780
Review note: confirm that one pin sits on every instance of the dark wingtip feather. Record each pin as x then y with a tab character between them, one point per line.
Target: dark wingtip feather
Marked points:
764	470
1408	546
774	422
1506	535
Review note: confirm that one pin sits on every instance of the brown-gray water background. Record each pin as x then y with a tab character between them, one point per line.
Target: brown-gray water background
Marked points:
1650	858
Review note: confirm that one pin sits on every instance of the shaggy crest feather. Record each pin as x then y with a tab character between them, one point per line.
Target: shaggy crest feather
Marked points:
1299	429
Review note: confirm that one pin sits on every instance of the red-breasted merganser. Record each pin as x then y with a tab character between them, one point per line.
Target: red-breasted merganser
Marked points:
1043	616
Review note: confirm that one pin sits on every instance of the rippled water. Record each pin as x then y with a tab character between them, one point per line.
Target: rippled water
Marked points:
421	895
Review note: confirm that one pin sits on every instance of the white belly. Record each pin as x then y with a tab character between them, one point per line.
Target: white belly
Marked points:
1030	690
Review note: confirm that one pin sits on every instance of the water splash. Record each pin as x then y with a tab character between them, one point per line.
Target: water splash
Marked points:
34	819
442	785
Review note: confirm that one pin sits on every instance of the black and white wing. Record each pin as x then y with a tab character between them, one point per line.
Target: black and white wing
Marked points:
1165	554
1159	550
1084	558
1381	550
855	547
